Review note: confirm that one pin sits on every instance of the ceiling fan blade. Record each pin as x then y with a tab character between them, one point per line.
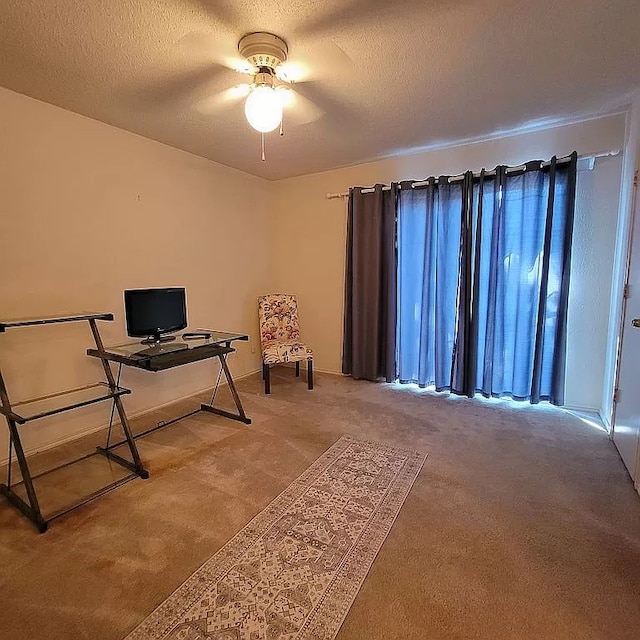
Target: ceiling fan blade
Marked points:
350	14
339	112
182	86
292	71
223	99
299	110
184	89
317	62
220	11
201	46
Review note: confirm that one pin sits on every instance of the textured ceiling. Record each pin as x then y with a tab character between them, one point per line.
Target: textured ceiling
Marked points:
423	71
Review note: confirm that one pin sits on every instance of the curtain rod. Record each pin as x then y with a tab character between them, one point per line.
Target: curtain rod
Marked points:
459	178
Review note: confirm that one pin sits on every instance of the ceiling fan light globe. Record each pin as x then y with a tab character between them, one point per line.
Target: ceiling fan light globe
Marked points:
263	109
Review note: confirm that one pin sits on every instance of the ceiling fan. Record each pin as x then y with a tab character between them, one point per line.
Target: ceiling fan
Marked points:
269	93
317	63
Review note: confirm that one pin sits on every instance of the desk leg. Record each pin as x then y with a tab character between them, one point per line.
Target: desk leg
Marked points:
215	389
241	416
124	421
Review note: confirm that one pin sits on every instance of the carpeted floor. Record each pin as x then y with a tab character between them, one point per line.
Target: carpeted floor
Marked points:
522	523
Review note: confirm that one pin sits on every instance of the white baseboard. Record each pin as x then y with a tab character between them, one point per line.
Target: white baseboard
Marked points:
333	373
132	416
582	409
588	413
606	422
291	365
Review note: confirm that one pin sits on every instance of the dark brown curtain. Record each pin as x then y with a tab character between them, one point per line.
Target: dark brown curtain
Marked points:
369	347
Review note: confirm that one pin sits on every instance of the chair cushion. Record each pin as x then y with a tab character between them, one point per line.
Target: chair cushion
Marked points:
276	351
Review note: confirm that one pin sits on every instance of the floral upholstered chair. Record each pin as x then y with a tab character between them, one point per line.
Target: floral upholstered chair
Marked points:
280	336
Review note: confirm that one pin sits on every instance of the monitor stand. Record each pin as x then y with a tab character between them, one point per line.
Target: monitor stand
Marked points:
156	338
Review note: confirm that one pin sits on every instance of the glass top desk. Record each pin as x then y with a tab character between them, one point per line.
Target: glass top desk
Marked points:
166	355
181	351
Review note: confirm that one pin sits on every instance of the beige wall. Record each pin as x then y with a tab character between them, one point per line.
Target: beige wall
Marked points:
89	210
593	252
309	237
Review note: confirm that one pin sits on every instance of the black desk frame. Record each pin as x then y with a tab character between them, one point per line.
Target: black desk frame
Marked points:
220	350
31	508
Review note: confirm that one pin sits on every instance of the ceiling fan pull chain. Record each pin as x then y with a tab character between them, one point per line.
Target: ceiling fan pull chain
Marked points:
282	126
262	140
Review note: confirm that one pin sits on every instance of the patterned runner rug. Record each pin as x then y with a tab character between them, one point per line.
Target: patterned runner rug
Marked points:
294	571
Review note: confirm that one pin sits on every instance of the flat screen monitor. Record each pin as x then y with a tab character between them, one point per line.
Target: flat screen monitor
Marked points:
151	313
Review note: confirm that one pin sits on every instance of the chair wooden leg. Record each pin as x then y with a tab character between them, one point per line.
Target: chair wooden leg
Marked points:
297	368
310	374
267	378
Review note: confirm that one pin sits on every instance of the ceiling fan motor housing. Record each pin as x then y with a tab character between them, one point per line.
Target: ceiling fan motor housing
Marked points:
263	50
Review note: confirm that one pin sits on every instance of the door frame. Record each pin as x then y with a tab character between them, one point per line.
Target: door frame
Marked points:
622	263
623	310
